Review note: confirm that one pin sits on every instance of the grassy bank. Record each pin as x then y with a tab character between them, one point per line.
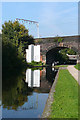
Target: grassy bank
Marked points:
33	63
65	104
60	66
77	66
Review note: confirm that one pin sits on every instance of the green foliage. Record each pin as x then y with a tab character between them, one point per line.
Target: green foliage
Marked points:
15	91
77	66
71	52
33	63
65	104
62	55
17	34
58	39
15	39
57	66
65	57
10	56
36	68
61	58
68	51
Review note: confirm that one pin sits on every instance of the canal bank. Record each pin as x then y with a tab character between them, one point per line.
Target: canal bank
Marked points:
47	109
63	97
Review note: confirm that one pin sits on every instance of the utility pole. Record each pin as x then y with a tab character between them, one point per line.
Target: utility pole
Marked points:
30	21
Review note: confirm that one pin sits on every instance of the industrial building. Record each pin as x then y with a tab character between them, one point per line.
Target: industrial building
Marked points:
33	53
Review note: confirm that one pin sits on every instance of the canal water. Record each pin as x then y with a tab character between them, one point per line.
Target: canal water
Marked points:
25	96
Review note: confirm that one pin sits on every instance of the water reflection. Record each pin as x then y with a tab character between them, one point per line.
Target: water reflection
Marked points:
24	96
50	74
33	78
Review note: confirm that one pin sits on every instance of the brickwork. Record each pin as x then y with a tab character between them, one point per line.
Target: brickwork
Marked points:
47	44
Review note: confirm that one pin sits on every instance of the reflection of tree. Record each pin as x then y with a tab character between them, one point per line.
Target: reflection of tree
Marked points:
15	93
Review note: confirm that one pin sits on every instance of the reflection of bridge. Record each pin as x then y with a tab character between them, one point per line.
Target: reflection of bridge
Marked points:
47	44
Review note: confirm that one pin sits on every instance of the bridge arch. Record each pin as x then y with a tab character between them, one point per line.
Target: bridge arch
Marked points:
47	44
53	55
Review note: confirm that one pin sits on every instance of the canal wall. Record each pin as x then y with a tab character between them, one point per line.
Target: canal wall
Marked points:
47	110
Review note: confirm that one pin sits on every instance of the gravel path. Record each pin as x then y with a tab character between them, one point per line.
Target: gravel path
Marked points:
74	72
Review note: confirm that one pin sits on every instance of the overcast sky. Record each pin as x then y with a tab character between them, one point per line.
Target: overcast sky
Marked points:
55	18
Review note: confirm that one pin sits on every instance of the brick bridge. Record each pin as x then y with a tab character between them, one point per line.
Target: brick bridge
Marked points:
48	46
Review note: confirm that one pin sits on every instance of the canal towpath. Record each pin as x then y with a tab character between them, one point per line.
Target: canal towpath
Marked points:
74	72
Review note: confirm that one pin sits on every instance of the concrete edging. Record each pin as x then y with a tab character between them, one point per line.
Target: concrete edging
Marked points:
47	110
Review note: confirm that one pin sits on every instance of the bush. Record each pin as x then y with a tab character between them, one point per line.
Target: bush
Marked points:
58	39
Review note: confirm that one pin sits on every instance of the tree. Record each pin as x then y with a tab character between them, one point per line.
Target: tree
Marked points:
68	51
16	34
15	39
